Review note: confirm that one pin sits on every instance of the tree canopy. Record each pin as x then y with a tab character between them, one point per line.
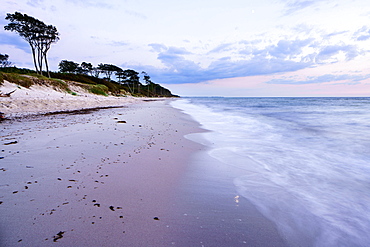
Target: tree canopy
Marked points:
68	66
109	69
130	78
4	61
86	68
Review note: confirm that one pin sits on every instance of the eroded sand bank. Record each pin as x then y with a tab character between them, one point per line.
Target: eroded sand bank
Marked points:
41	99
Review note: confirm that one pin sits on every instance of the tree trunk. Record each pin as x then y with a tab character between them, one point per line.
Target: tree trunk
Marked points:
34	59
129	87
46	61
46	65
39	59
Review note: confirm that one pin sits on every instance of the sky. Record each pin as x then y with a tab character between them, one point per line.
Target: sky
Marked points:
241	48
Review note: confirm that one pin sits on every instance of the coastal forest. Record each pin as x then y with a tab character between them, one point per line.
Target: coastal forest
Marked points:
102	79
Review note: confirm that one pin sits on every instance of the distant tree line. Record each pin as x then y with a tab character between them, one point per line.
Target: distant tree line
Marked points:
129	78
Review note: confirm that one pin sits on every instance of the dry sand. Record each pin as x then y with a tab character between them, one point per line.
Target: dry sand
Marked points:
41	99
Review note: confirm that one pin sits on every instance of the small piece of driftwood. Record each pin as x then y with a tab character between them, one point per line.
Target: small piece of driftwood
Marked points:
7	94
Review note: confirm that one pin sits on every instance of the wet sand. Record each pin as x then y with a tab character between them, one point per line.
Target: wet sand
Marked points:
119	177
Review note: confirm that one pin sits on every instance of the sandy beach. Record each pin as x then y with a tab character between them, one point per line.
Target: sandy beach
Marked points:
99	178
124	176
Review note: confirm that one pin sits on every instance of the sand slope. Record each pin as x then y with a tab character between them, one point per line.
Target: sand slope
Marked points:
41	99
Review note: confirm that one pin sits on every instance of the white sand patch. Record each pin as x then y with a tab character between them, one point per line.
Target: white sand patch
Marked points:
41	99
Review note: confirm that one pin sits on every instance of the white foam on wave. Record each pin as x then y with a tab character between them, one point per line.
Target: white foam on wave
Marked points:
307	171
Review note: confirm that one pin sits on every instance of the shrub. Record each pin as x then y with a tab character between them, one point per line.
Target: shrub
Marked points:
1	78
21	80
76	77
17	70
57	83
99	89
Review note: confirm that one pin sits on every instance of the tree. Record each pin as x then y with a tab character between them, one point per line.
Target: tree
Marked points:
120	75
4	61
47	36
96	72
86	68
108	69
131	79
38	35
68	66
148	82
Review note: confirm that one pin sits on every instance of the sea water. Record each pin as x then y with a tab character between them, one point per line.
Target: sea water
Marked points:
305	161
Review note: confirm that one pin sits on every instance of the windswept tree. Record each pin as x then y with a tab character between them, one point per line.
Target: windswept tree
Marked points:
68	66
47	35
38	35
109	69
148	82
131	79
96	72
86	68
4	61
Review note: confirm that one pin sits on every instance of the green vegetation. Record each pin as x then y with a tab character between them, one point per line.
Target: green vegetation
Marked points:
128	80
1	78
27	80
129	83
19	79
99	89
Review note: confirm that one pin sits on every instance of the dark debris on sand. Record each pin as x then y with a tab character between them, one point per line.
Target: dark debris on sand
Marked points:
58	236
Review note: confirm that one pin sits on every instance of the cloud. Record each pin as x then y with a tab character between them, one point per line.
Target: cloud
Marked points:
14	40
158	47
327	52
333	34
363	37
221	48
119	43
257	66
320	79
181	70
173	58
288	48
92	3
362	34
248	58
297	5
35	3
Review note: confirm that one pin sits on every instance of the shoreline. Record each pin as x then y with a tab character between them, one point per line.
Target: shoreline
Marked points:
120	177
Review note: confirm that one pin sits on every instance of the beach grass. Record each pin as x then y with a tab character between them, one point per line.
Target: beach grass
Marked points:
21	80
99	89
